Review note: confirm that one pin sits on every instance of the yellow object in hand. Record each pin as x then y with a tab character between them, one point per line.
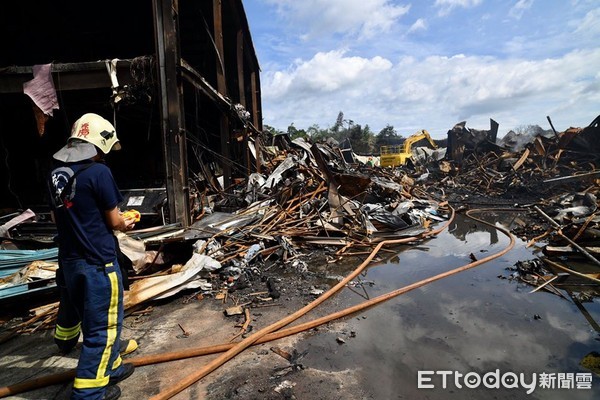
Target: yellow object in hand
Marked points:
135	214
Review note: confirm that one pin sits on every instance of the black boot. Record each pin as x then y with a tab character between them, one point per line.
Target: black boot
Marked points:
112	393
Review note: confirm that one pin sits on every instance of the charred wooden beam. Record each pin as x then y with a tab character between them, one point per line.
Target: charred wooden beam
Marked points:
171	108
222	88
199	82
242	91
256	101
193	77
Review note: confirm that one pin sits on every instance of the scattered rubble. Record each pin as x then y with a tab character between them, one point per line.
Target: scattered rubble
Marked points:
315	200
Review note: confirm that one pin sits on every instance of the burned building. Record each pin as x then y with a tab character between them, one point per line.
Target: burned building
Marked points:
179	80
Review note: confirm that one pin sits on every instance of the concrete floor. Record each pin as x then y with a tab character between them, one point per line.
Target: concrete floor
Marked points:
31	356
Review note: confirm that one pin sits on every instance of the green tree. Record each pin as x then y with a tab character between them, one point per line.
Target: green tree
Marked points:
273	131
316	133
387	136
362	139
369	138
294	132
339	123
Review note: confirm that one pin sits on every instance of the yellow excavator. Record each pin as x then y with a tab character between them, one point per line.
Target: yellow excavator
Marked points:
392	156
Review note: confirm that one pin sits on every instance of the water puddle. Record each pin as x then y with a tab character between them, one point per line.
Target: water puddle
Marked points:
474	322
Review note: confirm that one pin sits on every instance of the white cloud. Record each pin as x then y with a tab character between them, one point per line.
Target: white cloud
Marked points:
579	32
435	92
519	8
419	25
446	6
364	18
589	25
324	73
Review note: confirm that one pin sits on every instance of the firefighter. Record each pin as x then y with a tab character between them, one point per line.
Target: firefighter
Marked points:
84	199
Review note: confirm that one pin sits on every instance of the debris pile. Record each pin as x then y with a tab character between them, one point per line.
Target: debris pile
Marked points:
317	198
517	169
557	178
312	198
308	199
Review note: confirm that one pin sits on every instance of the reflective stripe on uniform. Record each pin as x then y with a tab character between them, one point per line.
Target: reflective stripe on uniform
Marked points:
83	383
62	333
111	333
117	363
102	378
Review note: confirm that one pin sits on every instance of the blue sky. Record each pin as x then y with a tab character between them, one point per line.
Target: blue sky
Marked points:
428	64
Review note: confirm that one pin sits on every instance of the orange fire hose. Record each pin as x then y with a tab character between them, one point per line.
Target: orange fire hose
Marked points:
201	351
188	353
241	346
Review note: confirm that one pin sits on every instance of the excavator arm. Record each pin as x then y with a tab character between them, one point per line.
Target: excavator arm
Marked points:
390	156
422	134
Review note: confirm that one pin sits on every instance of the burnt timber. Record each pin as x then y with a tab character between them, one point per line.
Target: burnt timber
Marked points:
185	106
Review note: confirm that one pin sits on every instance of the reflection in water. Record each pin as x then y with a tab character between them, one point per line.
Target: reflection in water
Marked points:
463	226
469	322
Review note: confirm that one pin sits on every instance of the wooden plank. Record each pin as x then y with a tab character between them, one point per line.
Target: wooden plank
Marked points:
521	160
545	283
589	277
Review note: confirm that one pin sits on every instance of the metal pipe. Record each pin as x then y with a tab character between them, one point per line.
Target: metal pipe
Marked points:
572	177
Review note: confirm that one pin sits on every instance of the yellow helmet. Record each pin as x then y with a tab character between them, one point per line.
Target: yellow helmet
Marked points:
96	130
